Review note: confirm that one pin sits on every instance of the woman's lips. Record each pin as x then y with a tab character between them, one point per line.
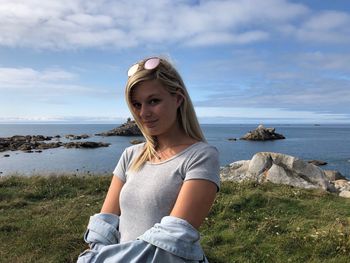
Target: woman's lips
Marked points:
150	124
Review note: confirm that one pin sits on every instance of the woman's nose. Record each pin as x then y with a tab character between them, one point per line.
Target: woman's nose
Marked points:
145	111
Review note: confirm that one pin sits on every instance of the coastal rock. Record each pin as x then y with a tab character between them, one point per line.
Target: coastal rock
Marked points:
277	168
262	134
22	143
232	139
345	194
317	162
127	129
76	137
136	141
342	185
333	175
85	144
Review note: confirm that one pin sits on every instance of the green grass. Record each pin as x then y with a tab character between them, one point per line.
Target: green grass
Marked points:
42	219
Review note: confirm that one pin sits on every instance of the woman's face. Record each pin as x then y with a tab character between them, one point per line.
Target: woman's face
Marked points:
155	107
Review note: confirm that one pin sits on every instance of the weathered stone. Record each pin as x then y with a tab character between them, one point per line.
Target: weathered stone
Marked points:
317	162
333	175
262	134
342	185
136	141
85	144
129	128
277	168
235	171
345	194
76	137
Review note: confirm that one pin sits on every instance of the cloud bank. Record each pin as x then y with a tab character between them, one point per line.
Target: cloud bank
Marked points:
74	24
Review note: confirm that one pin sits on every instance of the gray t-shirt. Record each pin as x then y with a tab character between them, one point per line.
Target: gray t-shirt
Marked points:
150	193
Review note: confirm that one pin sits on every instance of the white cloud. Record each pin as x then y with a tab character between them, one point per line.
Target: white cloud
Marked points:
76	23
49	84
329	27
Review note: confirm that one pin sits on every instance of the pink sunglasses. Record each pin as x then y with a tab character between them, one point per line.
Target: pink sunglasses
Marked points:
149	64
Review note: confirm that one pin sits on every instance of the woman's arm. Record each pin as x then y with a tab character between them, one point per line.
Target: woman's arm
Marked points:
194	201
111	203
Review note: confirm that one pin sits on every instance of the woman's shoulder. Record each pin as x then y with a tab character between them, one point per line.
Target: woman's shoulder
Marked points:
203	147
135	148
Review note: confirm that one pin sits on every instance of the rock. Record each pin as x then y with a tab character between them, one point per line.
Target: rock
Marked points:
333	175
317	162
127	129
6	155
345	194
50	145
235	171
136	141
342	185
277	168
85	144
262	134
232	139
22	143
76	137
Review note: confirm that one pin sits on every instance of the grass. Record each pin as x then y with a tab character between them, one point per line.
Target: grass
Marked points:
42	219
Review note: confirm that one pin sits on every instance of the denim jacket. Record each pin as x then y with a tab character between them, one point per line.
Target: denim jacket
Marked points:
173	240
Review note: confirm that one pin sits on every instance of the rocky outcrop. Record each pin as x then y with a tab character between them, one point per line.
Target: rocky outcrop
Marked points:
317	162
26	143
85	144
262	134
333	175
285	169
136	141
29	143
127	129
76	137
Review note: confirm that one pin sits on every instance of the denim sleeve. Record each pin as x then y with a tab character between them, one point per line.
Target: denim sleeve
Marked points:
173	240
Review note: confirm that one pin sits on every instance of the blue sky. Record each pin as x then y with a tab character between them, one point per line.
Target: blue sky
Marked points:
247	61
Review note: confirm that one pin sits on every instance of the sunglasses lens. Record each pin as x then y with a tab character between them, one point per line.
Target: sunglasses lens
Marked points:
133	70
151	63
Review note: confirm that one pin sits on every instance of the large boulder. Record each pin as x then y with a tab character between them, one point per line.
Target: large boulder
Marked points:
129	128
277	168
262	134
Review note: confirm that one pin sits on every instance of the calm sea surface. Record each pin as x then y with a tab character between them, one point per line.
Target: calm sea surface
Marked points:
330	143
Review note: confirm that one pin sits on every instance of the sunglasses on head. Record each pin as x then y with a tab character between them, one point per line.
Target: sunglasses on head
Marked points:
149	64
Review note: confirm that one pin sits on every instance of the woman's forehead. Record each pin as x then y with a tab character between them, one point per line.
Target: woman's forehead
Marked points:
148	88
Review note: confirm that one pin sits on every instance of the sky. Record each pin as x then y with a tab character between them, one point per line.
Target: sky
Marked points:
243	61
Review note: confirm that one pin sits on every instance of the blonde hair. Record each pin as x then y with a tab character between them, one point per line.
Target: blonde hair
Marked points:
171	80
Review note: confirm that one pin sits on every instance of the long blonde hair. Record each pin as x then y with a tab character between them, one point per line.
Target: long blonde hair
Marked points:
171	80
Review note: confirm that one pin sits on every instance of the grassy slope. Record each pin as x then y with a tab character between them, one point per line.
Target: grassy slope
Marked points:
43	220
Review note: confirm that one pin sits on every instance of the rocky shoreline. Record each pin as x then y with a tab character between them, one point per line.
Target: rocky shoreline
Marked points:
37	143
285	169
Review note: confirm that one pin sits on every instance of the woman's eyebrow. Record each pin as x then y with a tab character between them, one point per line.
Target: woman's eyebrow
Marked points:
148	97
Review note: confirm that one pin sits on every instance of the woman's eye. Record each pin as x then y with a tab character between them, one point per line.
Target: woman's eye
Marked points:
136	105
154	101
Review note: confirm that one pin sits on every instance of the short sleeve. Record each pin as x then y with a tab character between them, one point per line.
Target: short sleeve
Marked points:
204	164
120	169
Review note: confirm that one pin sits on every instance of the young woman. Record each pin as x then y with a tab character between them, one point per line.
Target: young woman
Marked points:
163	189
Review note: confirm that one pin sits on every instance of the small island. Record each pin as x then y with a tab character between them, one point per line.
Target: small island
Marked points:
262	134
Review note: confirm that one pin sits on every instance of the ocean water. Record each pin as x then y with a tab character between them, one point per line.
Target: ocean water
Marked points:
330	143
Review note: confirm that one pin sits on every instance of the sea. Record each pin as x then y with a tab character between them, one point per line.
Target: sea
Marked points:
329	143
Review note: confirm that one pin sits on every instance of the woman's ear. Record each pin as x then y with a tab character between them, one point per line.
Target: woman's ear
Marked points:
179	98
